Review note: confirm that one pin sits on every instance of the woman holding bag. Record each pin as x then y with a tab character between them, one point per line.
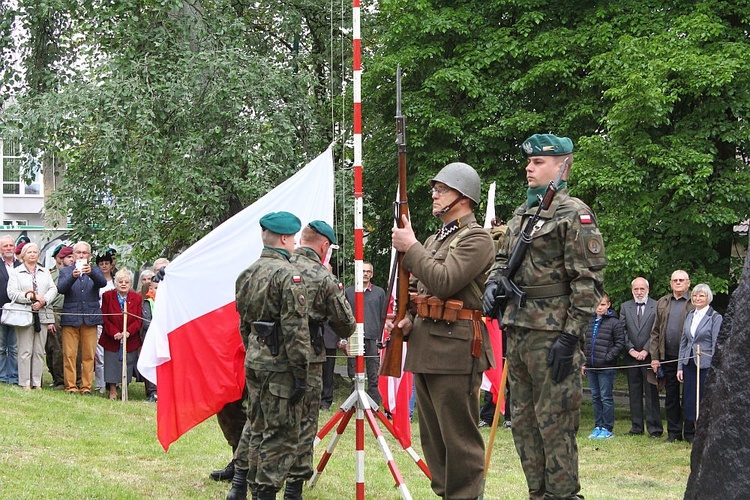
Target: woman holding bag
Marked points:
32	284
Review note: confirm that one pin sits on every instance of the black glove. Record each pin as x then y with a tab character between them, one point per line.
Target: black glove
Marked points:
560	356
488	298
300	386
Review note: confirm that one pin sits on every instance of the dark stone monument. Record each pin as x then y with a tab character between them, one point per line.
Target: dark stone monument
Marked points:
721	451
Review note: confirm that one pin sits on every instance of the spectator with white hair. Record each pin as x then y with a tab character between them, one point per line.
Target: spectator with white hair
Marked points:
699	333
80	284
8	343
32	284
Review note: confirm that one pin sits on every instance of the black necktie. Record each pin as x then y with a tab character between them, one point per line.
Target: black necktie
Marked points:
639	312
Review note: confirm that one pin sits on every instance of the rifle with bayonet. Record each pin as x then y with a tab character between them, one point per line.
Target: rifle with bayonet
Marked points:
506	289
394	346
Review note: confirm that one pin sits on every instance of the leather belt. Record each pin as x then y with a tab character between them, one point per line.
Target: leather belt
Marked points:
470	314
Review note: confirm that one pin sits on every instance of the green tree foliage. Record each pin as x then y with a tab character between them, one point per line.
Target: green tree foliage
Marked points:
654	95
169	117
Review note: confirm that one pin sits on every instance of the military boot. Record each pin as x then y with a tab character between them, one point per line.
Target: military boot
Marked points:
266	495
239	485
293	491
225	474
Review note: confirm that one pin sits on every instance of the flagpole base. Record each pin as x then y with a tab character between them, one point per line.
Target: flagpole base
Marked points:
360	403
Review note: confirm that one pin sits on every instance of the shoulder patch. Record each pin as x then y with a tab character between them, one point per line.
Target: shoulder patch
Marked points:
586	218
297	279
341	286
594	246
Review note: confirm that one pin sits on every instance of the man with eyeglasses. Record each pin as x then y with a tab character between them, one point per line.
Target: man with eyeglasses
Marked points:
665	350
448	343
374	302
80	283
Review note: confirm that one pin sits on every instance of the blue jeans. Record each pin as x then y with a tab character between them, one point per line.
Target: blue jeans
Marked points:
601	383
8	355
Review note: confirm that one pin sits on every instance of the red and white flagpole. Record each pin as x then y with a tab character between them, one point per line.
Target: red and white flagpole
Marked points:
359	299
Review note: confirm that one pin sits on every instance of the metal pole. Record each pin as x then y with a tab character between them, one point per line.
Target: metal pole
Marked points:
697	381
124	381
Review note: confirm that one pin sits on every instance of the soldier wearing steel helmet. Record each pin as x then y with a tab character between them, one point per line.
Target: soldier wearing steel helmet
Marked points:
561	272
448	343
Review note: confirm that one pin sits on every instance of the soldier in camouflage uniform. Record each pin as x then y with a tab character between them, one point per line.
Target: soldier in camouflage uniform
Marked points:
448	354
272	304
562	274
326	302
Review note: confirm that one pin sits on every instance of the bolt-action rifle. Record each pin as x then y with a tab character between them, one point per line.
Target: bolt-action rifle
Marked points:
507	289
394	345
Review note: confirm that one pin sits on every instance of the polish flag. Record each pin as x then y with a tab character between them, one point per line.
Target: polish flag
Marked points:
491	378
193	350
396	392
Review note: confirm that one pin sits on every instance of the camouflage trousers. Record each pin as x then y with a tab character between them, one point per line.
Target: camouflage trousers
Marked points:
546	415
303	467
270	438
232	419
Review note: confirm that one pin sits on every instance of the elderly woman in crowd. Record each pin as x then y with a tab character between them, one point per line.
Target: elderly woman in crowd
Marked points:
113	306
701	329
32	284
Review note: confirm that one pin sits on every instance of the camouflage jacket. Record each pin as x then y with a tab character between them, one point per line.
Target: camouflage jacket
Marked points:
562	268
271	289
449	272
325	298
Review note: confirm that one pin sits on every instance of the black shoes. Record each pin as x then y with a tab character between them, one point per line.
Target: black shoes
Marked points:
672	439
225	474
293	491
239	485
631	432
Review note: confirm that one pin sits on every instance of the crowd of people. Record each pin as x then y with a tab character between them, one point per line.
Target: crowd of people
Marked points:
543	282
78	315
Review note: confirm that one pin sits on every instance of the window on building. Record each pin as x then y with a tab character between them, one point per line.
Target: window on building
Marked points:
11	161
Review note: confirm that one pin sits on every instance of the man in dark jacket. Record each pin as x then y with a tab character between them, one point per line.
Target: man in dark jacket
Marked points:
8	343
671	310
80	284
638	316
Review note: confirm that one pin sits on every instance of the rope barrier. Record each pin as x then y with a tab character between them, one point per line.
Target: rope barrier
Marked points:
60	313
647	365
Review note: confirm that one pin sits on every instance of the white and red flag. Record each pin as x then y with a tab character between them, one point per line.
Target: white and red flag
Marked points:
397	391
491	378
193	350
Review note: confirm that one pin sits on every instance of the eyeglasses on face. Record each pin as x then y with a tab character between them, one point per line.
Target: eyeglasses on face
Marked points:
440	190
679	280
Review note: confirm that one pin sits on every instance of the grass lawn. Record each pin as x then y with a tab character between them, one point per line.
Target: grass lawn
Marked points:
55	445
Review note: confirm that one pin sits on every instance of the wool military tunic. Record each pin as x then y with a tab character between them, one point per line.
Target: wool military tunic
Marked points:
448	272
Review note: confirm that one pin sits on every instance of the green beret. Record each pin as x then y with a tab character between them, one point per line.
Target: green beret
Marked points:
57	250
324	229
546	145
281	223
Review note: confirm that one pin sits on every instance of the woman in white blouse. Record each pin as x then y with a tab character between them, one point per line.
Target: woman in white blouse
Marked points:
32	284
701	328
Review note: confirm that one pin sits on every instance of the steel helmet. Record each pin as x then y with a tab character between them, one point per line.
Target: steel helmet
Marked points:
461	177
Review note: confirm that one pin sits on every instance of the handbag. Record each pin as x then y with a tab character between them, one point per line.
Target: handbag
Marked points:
14	314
